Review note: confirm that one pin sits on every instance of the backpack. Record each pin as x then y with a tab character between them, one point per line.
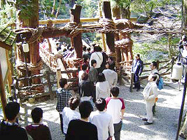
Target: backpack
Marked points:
160	82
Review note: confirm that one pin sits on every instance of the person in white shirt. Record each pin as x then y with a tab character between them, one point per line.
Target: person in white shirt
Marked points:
154	70
111	76
97	55
116	108
102	87
84	68
69	113
102	120
150	93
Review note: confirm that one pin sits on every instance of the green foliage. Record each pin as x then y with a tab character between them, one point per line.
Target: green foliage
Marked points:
7	15
155	53
122	3
27	8
45	8
89	7
157	50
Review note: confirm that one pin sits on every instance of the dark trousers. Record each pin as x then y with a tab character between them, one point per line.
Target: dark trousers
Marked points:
117	130
61	123
136	81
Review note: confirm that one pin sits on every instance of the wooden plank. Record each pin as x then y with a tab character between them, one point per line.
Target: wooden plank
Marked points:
5	46
61	21
9	78
2	92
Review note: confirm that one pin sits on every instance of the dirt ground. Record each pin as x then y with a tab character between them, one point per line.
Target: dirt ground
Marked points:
165	119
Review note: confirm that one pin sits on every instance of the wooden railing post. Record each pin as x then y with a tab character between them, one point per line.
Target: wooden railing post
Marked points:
26	115
120	75
132	81
58	77
158	64
172	63
49	85
2	92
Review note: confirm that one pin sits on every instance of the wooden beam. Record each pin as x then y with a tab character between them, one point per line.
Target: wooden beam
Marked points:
109	36
76	41
2	92
9	76
103	35
5	46
61	21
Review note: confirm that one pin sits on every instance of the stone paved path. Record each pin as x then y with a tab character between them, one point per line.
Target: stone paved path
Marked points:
165	120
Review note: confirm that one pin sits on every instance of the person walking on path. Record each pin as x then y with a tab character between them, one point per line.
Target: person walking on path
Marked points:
92	75
81	129
137	69
102	87
110	75
116	108
97	55
37	130
63	95
154	70
69	113
102	120
150	93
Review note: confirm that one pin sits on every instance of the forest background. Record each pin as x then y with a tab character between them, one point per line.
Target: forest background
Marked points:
165	14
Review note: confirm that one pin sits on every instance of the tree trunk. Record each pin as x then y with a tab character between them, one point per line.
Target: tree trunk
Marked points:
53	9
77	40
184	14
2	3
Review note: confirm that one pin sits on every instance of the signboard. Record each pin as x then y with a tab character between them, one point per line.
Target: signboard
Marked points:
3	60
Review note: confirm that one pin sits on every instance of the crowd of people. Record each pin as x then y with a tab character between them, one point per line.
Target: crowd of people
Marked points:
95	113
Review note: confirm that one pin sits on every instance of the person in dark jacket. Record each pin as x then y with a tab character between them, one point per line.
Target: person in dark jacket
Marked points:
137	69
9	129
37	130
86	87
82	129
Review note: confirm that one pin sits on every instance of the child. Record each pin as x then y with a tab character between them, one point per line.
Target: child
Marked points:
102	87
93	72
92	76
150	93
37	130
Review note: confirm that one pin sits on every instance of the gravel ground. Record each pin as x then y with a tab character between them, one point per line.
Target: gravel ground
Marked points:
165	119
